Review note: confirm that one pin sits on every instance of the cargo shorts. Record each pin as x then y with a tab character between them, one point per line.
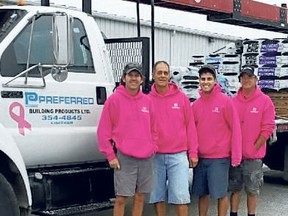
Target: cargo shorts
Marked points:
249	174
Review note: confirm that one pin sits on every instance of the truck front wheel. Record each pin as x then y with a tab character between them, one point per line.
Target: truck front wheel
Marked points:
8	201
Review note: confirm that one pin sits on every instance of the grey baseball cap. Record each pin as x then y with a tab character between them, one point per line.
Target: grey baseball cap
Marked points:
247	70
207	68
132	67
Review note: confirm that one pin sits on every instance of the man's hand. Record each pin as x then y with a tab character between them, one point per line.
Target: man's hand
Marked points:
114	164
235	165
193	162
259	142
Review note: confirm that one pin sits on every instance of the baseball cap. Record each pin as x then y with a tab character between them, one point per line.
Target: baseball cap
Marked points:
132	67
207	68
247	70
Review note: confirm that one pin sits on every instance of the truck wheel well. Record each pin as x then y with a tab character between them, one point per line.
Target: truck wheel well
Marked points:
10	171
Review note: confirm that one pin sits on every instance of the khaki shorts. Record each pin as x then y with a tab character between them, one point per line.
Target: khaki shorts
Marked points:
135	175
249	174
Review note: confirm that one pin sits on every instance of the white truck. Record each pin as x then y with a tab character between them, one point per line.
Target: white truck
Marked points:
55	75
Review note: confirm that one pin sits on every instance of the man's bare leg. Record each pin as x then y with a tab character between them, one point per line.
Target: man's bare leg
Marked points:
251	203
234	201
203	204
222	206
119	206
160	209
181	210
138	203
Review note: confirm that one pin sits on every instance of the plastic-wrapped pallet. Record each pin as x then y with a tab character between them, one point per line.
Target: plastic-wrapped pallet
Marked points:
227	67
265	59
265	45
213	59
275	84
187	79
230	68
270	59
230	64
197	60
273	71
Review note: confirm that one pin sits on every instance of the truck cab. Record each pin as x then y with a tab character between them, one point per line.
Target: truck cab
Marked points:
55	75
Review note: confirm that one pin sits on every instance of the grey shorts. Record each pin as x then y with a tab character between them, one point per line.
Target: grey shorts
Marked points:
134	175
249	174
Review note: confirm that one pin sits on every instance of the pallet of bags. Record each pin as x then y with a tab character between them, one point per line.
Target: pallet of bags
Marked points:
231	59
252	46
265	60
229	69
175	74
230	65
187	79
272	71
265	45
190	91
197	60
233	83
179	74
214	59
276	84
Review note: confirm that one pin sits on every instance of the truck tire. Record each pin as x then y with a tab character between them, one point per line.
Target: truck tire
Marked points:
8	201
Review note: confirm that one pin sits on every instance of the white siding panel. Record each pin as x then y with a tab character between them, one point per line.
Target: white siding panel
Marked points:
174	44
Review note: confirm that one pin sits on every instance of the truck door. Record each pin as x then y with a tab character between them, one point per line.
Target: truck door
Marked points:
52	122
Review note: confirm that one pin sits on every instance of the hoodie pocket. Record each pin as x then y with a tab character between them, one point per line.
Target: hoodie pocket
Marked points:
137	147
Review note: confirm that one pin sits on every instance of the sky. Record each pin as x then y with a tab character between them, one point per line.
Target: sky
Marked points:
175	17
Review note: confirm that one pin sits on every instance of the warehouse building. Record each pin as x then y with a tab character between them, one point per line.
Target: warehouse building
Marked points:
174	44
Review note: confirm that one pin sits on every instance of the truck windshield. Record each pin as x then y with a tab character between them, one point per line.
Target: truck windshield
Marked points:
8	20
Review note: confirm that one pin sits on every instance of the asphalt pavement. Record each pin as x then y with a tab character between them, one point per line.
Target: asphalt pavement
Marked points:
273	201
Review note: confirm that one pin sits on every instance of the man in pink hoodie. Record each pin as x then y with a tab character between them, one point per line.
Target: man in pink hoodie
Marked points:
219	138
256	113
127	124
177	143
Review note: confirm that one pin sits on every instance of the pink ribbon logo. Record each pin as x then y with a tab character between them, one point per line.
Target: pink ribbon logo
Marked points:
22	123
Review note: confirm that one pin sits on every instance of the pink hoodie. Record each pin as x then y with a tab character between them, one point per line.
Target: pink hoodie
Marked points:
257	114
175	122
218	128
128	121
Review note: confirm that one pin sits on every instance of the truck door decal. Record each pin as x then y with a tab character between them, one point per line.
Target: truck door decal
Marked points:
19	118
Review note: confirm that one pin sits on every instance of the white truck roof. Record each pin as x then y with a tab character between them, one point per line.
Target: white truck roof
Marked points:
50	9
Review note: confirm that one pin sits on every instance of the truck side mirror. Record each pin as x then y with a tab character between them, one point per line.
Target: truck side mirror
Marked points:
63	54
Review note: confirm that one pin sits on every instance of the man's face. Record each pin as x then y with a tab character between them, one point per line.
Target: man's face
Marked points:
161	75
207	82
133	80
248	82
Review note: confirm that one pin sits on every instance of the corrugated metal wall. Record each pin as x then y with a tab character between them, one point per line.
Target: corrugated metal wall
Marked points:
173	44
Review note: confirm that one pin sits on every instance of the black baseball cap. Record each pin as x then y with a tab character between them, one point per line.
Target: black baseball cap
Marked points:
132	67
207	68
247	70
